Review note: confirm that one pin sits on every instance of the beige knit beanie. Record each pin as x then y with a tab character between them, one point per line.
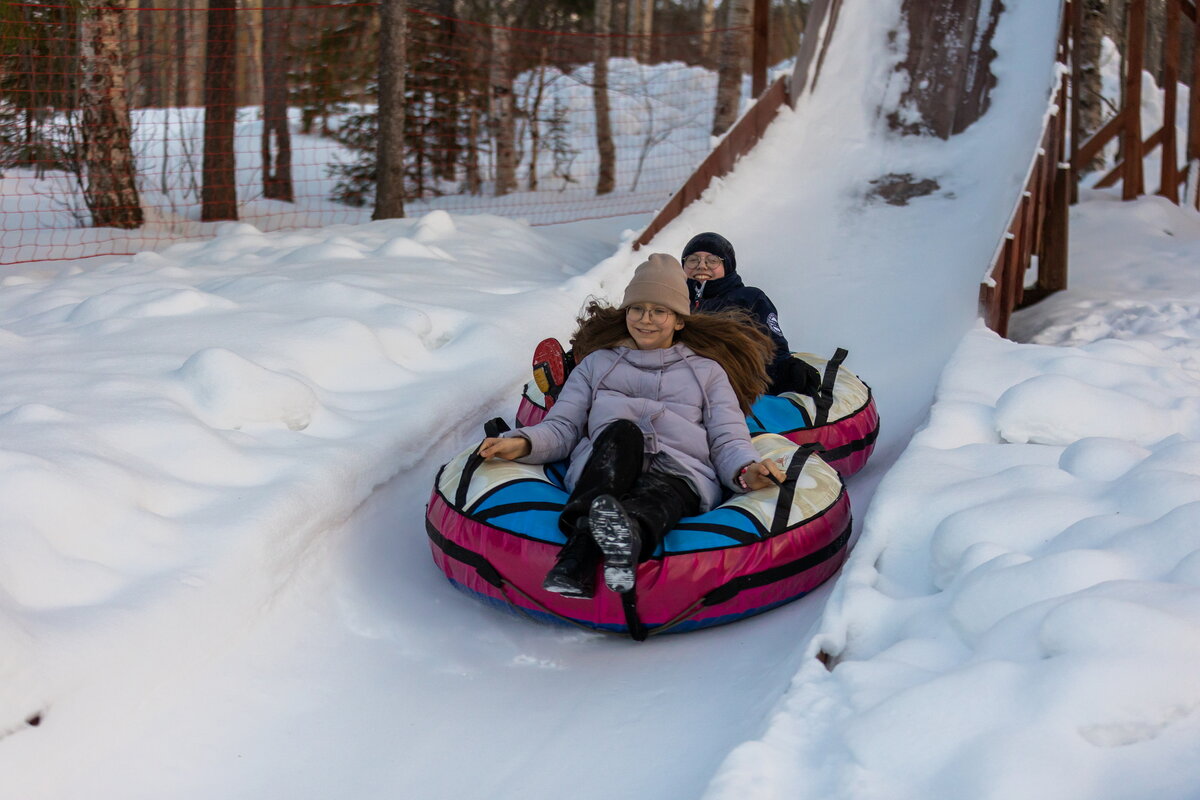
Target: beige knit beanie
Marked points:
659	280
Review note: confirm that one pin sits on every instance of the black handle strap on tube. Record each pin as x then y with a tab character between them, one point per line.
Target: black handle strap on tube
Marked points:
778	573
787	489
637	628
824	398
491	429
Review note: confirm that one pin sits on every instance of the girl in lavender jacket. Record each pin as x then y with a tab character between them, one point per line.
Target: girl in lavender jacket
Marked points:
653	420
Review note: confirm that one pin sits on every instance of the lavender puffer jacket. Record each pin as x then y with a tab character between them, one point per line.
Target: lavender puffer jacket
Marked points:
682	402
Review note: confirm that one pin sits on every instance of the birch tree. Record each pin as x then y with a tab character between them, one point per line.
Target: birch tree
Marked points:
110	185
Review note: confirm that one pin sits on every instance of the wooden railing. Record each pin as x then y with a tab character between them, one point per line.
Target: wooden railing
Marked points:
1037	230
1126	124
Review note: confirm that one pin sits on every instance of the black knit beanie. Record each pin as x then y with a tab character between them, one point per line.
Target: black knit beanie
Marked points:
715	243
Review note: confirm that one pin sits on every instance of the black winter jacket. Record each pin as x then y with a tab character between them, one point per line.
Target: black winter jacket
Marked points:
730	292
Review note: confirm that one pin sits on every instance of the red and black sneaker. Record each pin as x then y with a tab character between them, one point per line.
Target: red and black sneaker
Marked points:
551	365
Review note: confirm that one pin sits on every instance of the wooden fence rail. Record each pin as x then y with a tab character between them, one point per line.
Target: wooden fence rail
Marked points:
1037	234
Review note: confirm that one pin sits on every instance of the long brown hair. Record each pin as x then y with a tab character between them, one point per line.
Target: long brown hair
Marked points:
731	338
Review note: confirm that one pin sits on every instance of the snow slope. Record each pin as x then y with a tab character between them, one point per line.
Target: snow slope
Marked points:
215	459
1021	615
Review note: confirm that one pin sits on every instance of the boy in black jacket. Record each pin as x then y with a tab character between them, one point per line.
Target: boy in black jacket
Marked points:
714	284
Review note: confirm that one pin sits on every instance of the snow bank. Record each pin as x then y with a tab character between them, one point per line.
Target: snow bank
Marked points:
180	431
1021	616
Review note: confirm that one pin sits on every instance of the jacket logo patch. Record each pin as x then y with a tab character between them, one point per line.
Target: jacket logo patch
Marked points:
773	324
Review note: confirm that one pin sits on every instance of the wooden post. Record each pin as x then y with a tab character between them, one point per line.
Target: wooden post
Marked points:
1076	26
1052	269
1133	181
758	61
1169	173
1193	142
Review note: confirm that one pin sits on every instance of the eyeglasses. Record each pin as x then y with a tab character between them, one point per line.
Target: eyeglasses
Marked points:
655	313
693	261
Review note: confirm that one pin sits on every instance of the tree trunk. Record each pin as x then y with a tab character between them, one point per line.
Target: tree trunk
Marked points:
155	70
1088	95
276	137
218	195
708	21
250	41
616	13
607	180
181	53
645	29
446	108
393	60
1156	22
735	49
948	64
470	99
503	112
132	51
534	107
110	188
195	37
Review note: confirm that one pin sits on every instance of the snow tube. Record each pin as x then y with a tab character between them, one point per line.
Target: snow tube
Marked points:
493	529
841	417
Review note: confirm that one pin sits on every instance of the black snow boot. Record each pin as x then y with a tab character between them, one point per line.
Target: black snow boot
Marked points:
620	540
574	571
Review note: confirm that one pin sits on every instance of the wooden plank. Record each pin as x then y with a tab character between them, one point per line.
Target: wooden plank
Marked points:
1075	17
1029	236
1193	141
759	44
1169	172
1133	181
1156	138
1052	269
1003	309
1088	150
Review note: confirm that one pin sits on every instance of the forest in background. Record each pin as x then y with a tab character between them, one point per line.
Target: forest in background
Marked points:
475	113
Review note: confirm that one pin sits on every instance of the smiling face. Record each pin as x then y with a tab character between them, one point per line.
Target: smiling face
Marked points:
652	326
702	266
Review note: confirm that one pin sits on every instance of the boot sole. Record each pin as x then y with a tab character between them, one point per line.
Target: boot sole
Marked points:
549	369
565	587
613	533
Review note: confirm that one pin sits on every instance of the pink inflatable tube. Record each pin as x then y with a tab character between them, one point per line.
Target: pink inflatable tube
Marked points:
841	417
496	537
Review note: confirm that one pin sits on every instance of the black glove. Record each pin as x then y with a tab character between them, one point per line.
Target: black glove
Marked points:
797	375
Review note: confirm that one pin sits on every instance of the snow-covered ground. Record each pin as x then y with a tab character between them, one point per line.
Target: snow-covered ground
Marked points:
1021	616
214	579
